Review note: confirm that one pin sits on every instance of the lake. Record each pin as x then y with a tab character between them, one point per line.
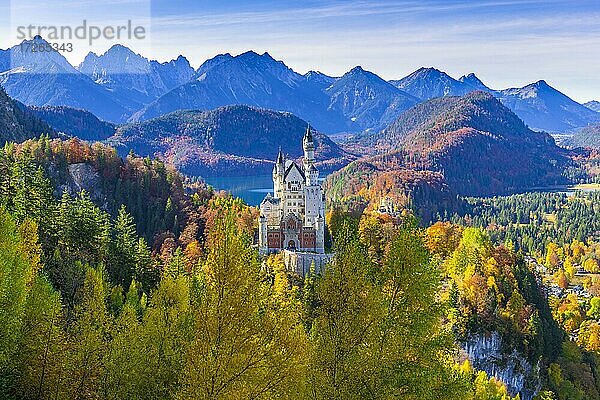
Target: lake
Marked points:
252	189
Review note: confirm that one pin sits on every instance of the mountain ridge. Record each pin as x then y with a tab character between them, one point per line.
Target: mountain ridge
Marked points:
132	76
427	82
593	105
543	107
47	78
368	101
478	145
229	140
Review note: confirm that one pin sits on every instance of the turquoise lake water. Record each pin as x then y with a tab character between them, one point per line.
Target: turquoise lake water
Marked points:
252	189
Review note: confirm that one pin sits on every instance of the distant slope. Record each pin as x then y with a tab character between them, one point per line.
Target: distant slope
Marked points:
319	80
585	137
17	123
478	145
542	107
474	82
211	62
73	122
366	182
230	140
366	100
593	105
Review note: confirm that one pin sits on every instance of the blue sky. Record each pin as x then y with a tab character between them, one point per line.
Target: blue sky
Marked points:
506	43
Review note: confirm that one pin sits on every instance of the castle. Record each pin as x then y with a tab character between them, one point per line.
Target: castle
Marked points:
293	218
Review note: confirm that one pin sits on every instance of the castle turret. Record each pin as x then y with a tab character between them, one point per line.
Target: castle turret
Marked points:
320	234
309	146
278	171
312	175
263	247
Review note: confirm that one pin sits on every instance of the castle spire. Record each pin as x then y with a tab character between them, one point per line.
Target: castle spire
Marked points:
280	156
308	135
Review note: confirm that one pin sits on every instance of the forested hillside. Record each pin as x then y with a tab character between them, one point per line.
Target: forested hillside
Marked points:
530	221
368	182
473	145
585	137
231	140
17	123
100	256
479	145
89	309
73	122
82	197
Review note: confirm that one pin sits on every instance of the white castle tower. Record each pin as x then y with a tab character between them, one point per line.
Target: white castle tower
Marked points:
293	218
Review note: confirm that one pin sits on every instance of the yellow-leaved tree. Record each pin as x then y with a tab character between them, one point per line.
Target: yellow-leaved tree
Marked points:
246	345
377	330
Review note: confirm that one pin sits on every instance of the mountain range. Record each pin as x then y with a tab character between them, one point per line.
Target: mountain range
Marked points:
538	104
46	78
427	83
120	86
130	76
249	79
112	86
357	101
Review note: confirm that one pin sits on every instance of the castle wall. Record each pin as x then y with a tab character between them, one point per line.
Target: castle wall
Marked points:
300	262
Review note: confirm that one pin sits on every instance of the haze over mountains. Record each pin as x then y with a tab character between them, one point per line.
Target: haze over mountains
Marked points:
120	85
46	78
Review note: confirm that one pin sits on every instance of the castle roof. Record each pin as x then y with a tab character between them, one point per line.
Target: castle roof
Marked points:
270	199
291	166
